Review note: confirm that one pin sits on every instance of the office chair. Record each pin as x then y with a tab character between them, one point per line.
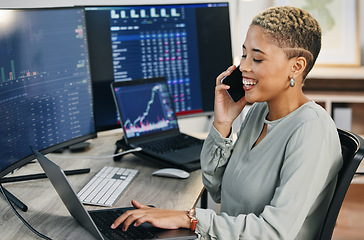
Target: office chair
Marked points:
353	152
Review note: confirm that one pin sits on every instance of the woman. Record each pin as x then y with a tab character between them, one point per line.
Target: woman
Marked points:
276	181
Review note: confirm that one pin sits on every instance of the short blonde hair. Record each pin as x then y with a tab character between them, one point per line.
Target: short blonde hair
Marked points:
293	29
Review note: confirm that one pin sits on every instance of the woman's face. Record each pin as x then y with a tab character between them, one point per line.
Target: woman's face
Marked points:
265	68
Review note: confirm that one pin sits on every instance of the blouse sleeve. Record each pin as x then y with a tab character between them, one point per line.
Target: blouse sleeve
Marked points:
215	154
307	178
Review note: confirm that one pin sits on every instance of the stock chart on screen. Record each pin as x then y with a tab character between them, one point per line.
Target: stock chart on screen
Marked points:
145	108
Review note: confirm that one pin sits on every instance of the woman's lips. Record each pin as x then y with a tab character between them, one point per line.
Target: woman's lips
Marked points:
249	83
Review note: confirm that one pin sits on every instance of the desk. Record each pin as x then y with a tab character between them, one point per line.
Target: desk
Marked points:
48	215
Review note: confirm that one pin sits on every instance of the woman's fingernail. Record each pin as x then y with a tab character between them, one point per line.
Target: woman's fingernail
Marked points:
112	226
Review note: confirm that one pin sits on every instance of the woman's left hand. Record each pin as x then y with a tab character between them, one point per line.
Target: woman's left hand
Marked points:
161	218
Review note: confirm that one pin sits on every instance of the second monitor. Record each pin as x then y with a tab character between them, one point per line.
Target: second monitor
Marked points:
189	44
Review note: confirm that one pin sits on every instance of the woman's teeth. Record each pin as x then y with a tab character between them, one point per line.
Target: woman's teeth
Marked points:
249	82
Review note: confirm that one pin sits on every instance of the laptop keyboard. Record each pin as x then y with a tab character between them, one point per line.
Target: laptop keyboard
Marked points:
106	186
103	220
171	144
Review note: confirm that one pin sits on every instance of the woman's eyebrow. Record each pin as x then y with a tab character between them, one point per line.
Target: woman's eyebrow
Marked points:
258	50
255	50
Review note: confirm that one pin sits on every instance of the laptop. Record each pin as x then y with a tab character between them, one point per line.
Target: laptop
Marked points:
149	121
98	222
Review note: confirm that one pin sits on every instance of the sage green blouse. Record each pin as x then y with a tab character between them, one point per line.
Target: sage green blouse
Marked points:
279	189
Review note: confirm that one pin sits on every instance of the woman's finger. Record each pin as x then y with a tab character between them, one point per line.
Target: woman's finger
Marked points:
224	74
141	220
137	204
121	219
135	215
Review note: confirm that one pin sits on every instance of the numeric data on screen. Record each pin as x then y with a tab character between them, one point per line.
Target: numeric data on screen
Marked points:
153	41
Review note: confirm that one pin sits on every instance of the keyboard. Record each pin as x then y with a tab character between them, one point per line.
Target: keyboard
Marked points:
105	188
104	218
170	144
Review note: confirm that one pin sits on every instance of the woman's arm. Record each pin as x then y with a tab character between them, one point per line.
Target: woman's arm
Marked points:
214	157
219	144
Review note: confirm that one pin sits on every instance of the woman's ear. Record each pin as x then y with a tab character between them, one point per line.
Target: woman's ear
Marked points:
299	65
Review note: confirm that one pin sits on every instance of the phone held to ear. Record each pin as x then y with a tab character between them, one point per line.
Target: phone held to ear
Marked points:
235	81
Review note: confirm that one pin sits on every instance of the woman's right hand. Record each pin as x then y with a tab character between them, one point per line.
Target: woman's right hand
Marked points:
225	109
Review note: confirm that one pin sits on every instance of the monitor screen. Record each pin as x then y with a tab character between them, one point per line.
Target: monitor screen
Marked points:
151	112
45	83
188	44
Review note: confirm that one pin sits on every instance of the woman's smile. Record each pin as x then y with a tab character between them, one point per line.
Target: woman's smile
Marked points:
249	83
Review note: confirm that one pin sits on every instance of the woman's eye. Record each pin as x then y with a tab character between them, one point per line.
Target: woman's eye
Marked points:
243	56
256	60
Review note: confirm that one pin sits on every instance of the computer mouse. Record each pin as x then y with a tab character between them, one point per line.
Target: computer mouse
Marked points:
172	173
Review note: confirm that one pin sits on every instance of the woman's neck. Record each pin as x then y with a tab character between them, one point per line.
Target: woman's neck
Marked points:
283	106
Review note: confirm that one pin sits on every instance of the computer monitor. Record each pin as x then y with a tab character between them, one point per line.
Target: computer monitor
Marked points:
45	83
189	44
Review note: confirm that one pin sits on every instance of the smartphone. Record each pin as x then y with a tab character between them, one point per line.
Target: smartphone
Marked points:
235	81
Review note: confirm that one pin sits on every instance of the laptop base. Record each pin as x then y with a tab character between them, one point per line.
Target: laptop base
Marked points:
189	167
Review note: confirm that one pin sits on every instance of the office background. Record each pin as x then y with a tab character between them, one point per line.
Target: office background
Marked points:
241	13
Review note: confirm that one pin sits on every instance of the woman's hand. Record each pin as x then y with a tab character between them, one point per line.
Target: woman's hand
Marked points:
161	218
225	109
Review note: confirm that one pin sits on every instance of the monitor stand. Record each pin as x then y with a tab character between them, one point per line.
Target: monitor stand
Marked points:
15	200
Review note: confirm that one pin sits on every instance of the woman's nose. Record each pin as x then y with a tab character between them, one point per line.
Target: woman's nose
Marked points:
245	65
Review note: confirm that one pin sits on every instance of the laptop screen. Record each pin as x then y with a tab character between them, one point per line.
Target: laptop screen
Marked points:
145	106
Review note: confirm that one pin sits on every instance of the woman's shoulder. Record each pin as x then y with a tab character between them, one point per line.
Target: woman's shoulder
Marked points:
313	117
307	118
313	111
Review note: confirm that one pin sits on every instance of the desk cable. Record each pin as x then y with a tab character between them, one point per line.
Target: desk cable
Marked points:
105	156
19	216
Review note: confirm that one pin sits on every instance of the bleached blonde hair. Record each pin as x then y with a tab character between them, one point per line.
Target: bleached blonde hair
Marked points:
293	29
